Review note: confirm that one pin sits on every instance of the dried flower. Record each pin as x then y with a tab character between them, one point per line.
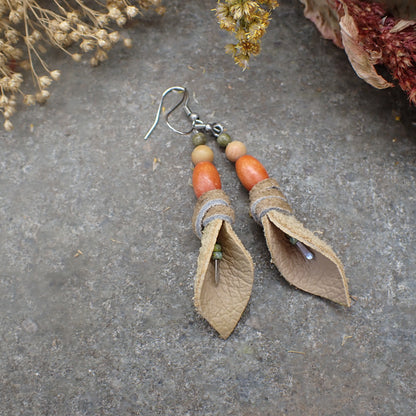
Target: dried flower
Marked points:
114	37
76	57
114	12
121	21
101	55
386	40
55	75
131	11
44	81
127	42
25	24
29	99
8	126
248	19
42	96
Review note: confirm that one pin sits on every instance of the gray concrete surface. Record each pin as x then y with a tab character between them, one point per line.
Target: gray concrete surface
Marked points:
98	256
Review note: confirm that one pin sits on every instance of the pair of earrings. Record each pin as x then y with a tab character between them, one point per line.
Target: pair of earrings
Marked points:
225	270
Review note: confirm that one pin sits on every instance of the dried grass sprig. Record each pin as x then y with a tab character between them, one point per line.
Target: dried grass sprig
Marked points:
27	25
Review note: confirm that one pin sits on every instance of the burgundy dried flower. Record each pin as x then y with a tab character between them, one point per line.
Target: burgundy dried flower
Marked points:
387	40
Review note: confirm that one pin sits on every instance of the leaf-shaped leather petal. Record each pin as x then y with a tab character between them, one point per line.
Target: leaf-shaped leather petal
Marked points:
221	304
323	275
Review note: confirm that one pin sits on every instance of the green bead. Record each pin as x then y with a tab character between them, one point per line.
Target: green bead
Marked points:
217	255
223	139
198	139
217	247
293	240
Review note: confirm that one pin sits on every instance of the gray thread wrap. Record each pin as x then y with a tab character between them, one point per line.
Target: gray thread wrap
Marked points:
211	206
266	196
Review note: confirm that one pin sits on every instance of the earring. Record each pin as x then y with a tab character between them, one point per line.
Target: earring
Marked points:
225	271
303	259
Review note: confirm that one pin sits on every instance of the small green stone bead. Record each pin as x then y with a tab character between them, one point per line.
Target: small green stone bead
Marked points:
293	240
217	247
223	139
217	255
198	139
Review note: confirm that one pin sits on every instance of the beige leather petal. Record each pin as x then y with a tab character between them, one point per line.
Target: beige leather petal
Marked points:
324	275
222	305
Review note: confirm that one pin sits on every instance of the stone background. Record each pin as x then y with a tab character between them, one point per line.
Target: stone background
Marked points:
98	256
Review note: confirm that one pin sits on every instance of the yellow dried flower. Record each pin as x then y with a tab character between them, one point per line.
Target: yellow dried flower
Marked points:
248	19
256	31
242	60
250	48
249	7
236	11
228	23
222	11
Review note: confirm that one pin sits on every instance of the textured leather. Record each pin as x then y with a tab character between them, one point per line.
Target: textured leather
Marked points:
221	305
324	275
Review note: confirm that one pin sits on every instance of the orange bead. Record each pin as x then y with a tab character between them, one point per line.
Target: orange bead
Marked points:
235	150
205	178
250	171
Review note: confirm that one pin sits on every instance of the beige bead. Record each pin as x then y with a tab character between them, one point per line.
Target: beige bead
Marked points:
202	153
235	150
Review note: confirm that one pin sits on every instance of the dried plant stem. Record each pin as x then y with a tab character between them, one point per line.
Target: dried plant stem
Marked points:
25	25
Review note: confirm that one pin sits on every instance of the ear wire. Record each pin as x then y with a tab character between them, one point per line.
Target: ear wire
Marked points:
197	124
184	98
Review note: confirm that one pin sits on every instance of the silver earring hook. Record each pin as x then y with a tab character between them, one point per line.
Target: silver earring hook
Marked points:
184	99
214	129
